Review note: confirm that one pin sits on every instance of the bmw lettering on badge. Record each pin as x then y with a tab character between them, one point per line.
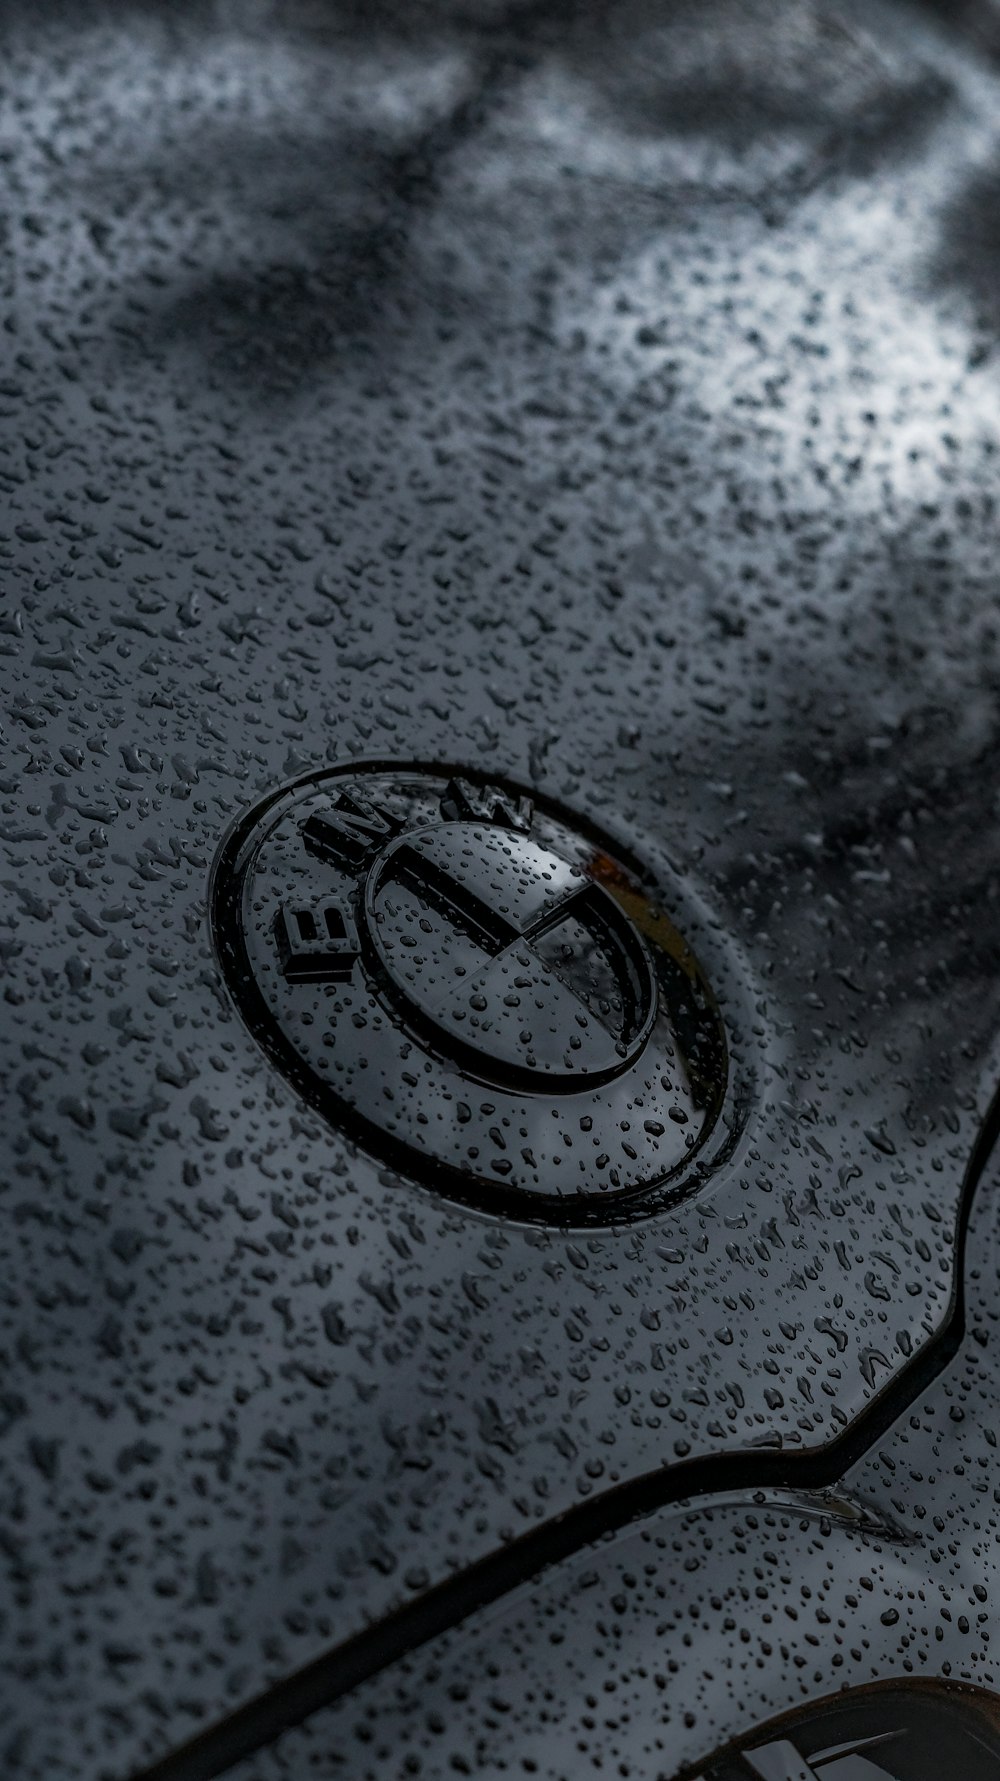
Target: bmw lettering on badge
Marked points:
483	993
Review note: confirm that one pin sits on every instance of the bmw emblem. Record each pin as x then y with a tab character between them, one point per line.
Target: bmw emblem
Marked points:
474	986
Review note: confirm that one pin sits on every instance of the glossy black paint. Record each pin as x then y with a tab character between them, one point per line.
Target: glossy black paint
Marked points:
733	1622
589	398
906	1733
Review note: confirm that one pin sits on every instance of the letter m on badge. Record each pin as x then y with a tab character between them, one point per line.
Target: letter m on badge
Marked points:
348	830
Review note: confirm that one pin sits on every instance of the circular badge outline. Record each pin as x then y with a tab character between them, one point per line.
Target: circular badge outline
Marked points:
454	1186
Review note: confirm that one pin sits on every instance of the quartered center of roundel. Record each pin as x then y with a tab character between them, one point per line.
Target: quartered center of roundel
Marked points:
511	952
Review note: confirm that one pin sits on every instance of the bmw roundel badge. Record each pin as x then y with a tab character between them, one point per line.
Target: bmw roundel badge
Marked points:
474	986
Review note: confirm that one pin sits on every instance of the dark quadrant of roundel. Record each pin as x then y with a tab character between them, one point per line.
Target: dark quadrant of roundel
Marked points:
511	953
474	987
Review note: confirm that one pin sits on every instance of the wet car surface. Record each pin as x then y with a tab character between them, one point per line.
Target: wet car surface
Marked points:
584	418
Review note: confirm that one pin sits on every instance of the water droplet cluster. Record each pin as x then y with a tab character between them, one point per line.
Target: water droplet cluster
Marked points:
604	399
